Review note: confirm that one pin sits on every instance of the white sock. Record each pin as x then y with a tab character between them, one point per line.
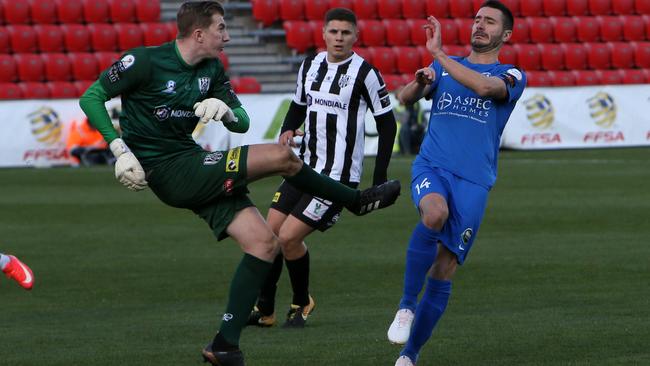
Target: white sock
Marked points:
4	260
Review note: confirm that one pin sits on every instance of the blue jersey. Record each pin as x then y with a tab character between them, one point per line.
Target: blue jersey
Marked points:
464	129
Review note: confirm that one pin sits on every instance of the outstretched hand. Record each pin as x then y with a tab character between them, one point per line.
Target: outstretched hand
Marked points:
287	137
434	40
425	76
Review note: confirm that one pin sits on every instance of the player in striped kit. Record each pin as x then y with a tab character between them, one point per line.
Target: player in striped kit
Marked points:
334	90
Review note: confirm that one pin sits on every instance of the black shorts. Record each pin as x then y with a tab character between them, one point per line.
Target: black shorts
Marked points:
316	212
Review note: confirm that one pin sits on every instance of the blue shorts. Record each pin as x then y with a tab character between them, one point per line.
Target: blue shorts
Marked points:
466	202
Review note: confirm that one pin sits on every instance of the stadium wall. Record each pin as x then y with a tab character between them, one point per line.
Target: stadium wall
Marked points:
34	131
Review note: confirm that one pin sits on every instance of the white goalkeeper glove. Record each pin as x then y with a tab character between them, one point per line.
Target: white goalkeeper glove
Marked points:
213	109
127	167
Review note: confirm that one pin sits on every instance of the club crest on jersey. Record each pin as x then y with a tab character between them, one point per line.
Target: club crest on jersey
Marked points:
344	81
169	89
204	85
212	158
313	76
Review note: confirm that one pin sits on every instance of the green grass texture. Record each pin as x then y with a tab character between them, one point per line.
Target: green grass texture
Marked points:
559	273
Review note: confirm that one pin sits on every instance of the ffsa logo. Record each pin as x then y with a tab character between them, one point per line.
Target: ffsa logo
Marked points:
539	111
602	109
46	125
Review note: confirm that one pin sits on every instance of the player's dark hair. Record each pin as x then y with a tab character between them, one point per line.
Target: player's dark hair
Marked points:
342	14
508	19
196	14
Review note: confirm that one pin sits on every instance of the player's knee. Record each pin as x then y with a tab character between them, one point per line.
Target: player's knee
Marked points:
270	247
435	219
291	247
289	163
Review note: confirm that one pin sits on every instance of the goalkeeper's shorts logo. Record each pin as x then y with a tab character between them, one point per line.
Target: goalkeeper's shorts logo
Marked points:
276	197
232	165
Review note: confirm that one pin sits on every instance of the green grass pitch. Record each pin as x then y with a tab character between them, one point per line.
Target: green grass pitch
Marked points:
559	274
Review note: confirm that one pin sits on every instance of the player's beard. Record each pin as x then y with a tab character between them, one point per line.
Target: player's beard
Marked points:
494	44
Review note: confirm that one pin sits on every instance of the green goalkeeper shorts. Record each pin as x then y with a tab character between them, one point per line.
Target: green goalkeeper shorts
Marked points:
211	184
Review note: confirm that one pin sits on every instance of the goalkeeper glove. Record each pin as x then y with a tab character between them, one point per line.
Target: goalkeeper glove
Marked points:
127	167
213	109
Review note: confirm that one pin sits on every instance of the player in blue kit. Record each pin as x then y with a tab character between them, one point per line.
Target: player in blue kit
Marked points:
472	99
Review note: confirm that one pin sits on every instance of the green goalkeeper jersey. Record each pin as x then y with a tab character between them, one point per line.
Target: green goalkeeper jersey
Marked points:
158	91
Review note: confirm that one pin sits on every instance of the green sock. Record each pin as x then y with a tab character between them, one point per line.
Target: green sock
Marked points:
308	181
244	289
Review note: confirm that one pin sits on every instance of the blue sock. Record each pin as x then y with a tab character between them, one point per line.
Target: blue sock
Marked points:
429	310
419	258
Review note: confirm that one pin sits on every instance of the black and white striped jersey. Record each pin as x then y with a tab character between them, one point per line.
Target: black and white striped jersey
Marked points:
337	96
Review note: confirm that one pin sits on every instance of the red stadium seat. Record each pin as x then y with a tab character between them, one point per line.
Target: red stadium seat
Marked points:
147	11
8	70
642	54
528	56
464	30
398	32
600	7
562	78
299	35
365	54
106	59
82	86
129	35
449	31
383	59
454	50
84	66
316	9
461	9
348	4
552	56
541	30
5	44
623	7
611	28
531	8
103	37
508	55
57	66
16	12
633	28
554	8
641	6
564	29
575	56
154	34
365	9
10	91
22	38
406	78
418	36
622	55
2	13
588	29
49	37
30	67
389	9
62	89
577	7
521	32
538	78
586	77
393	81
34	90
425	55
412	9
634	76
248	85
292	9
76	37
598	56
121	11
317	33
172	28
372	32
69	11
646	19
43	12
266	11
610	77
408	59
96	11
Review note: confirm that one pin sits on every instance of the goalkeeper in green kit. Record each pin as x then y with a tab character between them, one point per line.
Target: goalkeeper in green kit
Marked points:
165	91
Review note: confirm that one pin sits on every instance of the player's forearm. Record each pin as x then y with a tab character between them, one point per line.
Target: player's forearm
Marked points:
243	121
386	129
92	103
412	92
482	85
